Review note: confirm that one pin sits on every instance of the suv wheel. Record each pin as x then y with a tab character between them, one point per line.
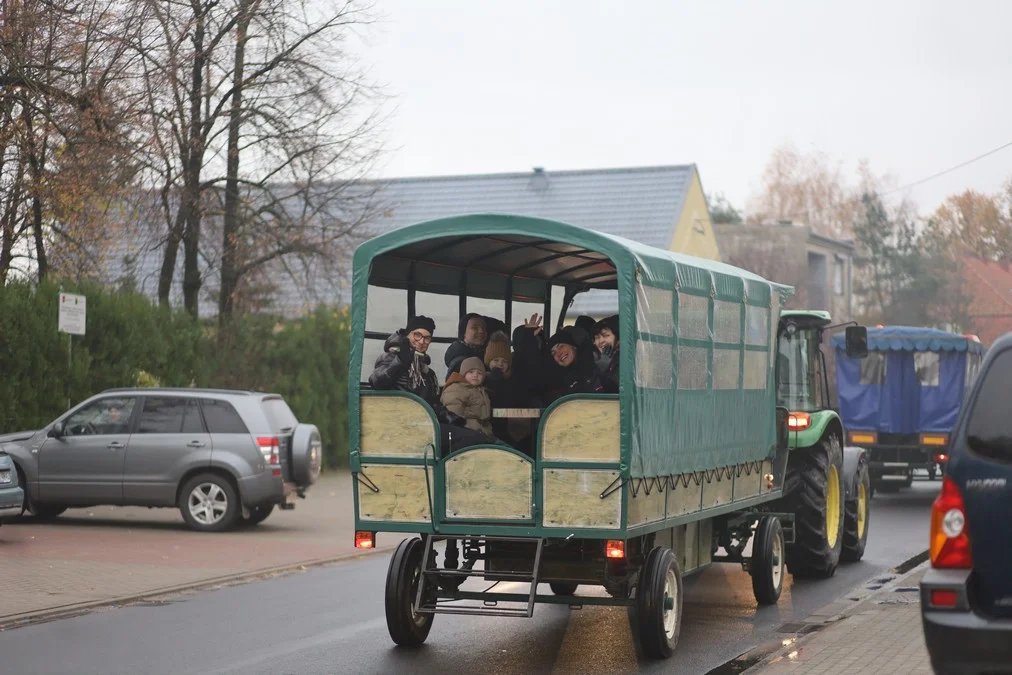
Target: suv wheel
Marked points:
209	503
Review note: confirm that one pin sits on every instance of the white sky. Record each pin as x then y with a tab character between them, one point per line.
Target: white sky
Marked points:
483	86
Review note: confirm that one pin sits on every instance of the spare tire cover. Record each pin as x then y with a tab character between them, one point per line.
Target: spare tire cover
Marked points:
307	455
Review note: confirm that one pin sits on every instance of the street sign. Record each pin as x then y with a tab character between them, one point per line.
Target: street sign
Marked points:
72	313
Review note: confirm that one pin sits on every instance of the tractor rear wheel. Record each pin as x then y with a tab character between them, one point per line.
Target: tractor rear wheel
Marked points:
816	497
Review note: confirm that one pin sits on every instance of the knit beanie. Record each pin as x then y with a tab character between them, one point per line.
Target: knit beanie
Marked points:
498	348
471	363
423	322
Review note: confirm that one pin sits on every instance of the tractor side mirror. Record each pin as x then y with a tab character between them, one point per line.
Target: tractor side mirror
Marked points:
857	342
56	431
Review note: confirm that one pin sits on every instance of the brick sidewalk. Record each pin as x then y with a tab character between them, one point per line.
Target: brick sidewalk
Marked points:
884	636
103	553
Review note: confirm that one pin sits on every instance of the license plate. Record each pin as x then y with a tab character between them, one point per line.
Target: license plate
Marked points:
5	477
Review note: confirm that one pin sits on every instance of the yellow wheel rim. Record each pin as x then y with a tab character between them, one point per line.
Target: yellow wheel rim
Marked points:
833	507
862	510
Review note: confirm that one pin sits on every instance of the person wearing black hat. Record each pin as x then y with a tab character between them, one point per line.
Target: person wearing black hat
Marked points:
405	366
568	369
606	345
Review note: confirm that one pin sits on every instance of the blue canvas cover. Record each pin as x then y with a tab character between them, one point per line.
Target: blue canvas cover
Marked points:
900	402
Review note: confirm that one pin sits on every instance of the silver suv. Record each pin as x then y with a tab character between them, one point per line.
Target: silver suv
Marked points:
219	456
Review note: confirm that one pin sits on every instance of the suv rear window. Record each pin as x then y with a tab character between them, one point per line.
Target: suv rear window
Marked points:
279	415
989	430
222	418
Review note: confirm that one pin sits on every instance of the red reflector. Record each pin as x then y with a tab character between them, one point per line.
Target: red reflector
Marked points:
799	421
365	540
943	598
615	549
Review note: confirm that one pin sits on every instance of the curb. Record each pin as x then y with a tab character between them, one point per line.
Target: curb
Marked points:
12	621
821	619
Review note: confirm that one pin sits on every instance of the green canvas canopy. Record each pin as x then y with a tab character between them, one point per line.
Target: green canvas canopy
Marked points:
698	336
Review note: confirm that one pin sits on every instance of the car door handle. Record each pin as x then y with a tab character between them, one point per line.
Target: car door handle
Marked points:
195	444
116	445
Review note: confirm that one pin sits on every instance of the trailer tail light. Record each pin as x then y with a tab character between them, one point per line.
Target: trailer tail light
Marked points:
614	549
270	448
950	543
935	440
857	437
365	540
799	421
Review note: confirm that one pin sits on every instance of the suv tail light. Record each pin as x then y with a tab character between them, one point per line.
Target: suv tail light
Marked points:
950	542
270	446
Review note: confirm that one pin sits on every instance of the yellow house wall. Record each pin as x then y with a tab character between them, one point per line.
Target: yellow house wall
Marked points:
694	231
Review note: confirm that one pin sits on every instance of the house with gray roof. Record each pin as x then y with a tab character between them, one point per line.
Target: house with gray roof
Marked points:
661	206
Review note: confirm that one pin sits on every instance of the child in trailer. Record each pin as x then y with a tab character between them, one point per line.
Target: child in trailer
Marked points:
465	395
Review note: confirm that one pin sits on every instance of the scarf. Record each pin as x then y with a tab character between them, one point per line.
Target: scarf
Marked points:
417	371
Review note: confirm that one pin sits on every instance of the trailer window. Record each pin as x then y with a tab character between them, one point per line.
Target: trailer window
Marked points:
926	365
989	430
386	309
873	368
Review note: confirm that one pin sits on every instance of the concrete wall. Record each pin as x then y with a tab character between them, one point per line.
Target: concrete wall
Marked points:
793	255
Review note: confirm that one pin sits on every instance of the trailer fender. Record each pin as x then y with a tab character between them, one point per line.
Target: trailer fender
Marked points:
852	459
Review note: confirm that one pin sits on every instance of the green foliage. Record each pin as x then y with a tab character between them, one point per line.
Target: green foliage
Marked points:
132	343
723	212
906	275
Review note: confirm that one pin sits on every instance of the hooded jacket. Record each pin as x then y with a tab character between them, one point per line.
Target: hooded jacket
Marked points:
578	378
460	350
469	401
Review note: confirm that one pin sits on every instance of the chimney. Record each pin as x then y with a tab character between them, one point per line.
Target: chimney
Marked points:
539	181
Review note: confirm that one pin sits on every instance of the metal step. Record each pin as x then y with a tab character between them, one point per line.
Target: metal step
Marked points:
489	601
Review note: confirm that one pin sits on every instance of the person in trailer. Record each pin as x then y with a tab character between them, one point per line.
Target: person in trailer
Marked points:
405	366
606	346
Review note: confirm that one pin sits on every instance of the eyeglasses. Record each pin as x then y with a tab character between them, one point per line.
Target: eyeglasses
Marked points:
421	337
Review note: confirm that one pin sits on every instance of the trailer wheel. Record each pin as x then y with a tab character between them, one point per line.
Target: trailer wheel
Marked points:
817	502
855	519
659	604
563	587
407	627
768	561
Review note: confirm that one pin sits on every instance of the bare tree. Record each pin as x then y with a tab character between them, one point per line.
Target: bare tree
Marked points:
261	122
64	145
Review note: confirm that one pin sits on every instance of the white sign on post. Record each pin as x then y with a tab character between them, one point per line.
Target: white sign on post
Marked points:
72	313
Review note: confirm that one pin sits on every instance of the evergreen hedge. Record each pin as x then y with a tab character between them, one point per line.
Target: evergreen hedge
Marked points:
131	342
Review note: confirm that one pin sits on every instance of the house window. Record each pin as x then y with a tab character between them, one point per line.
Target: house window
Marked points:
839	276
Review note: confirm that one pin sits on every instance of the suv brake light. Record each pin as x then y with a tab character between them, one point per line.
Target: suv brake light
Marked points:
950	542
270	447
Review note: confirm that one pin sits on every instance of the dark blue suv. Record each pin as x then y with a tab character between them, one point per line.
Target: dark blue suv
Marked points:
966	596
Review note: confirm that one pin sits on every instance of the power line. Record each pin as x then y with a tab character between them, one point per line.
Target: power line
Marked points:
949	170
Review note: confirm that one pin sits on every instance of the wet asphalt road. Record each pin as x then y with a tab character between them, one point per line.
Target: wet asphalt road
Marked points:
330	620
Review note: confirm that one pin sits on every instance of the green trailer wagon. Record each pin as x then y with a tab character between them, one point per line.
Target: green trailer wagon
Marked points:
627	493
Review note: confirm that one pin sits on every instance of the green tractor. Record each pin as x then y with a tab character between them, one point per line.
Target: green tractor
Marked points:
827	485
